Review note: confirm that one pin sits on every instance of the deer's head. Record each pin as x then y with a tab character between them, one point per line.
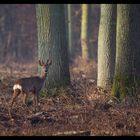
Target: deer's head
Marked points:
45	66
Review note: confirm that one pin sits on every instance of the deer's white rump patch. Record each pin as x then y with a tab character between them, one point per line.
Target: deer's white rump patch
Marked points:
17	86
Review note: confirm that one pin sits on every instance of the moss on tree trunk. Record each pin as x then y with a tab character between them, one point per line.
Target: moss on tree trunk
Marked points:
123	85
126	78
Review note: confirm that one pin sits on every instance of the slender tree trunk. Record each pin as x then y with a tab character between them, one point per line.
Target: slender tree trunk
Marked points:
52	42
91	36
84	32
66	23
5	32
136	42
68	20
128	19
106	46
69	8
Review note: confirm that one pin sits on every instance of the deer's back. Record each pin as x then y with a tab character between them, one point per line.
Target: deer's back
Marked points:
30	83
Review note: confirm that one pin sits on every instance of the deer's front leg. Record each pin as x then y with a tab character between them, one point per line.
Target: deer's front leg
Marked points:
34	101
37	99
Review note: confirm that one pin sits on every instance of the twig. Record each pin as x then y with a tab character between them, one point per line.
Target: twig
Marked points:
35	115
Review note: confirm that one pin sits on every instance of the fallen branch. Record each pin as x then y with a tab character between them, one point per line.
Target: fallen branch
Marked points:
73	133
35	115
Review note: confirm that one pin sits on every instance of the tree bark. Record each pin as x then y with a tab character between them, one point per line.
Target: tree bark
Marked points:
84	32
106	46
136	41
52	43
128	34
69	23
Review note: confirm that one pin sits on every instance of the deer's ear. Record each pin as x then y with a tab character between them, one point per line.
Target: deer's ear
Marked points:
47	61
43	63
50	62
40	63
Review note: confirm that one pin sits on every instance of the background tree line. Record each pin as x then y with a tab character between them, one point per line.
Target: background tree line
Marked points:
19	32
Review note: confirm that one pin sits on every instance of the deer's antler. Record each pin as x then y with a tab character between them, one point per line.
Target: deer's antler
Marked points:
41	62
48	62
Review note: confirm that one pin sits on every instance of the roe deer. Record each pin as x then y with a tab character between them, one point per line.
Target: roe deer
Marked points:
31	84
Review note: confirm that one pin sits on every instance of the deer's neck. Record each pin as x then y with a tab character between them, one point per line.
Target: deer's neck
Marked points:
43	76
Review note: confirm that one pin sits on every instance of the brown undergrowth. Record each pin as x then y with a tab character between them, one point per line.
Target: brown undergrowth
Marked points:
80	107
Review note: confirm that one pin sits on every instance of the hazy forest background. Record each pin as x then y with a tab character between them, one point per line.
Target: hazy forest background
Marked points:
19	32
85	106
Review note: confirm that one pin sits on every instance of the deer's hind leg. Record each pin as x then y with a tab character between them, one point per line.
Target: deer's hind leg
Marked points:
15	95
25	96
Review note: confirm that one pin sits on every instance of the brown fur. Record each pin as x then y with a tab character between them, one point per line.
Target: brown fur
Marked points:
31	85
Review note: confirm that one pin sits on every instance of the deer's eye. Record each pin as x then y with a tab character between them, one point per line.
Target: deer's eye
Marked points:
46	70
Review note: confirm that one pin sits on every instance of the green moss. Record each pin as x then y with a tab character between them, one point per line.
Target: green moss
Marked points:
43	93
50	85
115	89
123	92
53	92
123	85
54	89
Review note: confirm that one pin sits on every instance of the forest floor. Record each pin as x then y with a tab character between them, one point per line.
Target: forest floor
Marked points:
80	109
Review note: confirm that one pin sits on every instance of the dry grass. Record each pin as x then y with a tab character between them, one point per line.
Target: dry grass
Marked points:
80	107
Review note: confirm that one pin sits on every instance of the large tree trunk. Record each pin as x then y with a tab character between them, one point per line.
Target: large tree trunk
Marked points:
128	19
106	46
52	42
84	32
